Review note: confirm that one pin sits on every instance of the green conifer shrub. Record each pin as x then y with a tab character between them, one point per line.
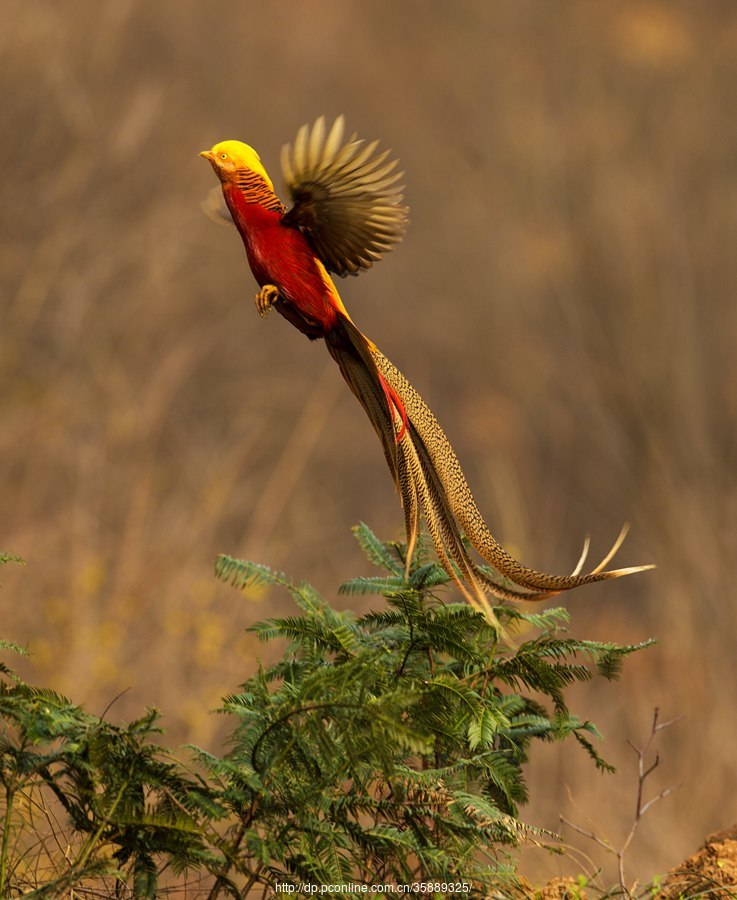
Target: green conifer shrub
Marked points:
386	748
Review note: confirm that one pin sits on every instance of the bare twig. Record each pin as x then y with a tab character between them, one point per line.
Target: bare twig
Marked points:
602	842
643	772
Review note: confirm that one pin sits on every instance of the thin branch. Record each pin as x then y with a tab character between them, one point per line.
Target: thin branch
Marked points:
588	834
643	772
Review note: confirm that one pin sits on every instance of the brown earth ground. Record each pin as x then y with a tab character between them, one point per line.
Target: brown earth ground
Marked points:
711	872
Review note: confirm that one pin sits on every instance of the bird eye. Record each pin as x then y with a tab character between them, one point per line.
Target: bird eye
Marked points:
223	156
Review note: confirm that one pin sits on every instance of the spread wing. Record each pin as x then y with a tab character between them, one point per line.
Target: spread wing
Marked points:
345	195
215	207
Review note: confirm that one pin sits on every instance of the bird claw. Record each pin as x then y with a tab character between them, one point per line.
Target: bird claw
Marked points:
266	298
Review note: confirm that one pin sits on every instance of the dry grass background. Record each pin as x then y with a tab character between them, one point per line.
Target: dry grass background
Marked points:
564	300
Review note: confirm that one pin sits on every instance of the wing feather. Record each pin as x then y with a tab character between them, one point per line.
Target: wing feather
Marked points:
346	196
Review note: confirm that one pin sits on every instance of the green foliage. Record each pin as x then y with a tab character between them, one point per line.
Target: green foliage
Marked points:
107	791
383	748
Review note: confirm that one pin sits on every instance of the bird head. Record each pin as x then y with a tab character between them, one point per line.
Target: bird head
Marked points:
229	157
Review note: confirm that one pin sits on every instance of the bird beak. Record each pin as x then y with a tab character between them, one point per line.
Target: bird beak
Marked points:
207	155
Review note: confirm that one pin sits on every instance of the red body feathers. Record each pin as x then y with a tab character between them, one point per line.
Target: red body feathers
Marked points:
280	255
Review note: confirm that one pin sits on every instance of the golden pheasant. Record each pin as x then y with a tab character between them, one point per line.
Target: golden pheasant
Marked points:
346	213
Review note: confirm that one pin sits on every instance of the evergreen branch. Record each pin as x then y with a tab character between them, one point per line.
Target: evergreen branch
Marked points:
391	586
11	558
391	746
311	707
240	573
375	551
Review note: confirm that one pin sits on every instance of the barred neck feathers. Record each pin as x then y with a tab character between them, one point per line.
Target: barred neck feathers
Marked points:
255	189
238	164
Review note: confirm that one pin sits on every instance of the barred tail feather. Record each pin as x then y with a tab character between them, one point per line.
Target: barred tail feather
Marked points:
463	505
431	483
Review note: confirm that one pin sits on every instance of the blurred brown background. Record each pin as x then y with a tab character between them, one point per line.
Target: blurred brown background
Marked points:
564	300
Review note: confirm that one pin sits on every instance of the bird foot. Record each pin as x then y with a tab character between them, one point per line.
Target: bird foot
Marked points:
266	298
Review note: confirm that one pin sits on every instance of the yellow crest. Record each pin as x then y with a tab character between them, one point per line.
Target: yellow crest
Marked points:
230	155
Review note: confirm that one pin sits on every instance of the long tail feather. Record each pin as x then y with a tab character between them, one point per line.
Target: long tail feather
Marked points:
464	506
431	483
